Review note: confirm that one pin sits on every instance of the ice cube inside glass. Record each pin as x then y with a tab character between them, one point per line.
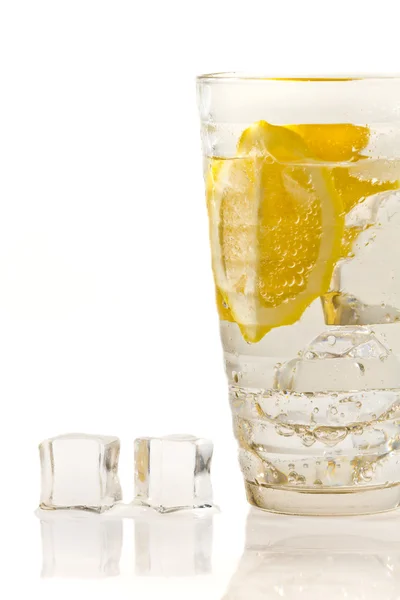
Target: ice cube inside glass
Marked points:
80	471
173	472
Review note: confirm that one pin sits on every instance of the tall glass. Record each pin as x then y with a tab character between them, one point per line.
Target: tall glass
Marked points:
302	184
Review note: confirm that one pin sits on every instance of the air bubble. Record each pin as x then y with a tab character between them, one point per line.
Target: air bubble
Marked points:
316	410
308	439
361	367
330	435
366	473
284	430
295	478
331	340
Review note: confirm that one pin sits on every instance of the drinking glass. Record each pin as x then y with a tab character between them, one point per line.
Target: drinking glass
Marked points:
302	182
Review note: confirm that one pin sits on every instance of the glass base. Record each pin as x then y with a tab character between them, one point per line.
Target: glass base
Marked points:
347	501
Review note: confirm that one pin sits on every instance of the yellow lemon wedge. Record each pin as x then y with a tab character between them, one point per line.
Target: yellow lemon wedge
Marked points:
344	142
276	228
338	142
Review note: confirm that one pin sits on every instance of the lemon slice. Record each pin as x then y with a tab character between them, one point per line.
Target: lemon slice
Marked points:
353	183
275	229
338	142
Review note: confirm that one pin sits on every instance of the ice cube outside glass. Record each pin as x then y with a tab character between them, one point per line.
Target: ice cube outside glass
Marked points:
173	472
302	180
80	471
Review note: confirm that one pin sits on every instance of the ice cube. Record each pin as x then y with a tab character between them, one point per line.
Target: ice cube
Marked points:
80	471
80	547
365	288
173	472
341	359
174	545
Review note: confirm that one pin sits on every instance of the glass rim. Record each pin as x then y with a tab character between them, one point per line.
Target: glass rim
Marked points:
236	77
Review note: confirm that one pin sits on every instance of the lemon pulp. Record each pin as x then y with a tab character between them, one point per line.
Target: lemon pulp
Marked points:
277	219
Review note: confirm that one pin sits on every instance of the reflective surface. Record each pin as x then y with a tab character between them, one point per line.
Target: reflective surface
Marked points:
80	547
178	554
308	558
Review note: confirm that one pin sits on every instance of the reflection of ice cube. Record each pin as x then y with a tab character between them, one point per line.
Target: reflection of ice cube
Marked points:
80	471
88	546
173	472
341	359
173	545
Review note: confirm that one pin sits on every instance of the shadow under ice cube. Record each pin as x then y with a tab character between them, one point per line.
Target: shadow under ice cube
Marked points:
173	472
80	471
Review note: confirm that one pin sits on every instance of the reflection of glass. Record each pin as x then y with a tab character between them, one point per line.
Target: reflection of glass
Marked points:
302	183
173	545
85	547
296	558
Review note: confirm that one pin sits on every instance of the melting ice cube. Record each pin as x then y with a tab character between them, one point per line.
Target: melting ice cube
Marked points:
173	472
80	471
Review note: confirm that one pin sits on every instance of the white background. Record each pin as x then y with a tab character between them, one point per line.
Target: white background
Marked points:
107	319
